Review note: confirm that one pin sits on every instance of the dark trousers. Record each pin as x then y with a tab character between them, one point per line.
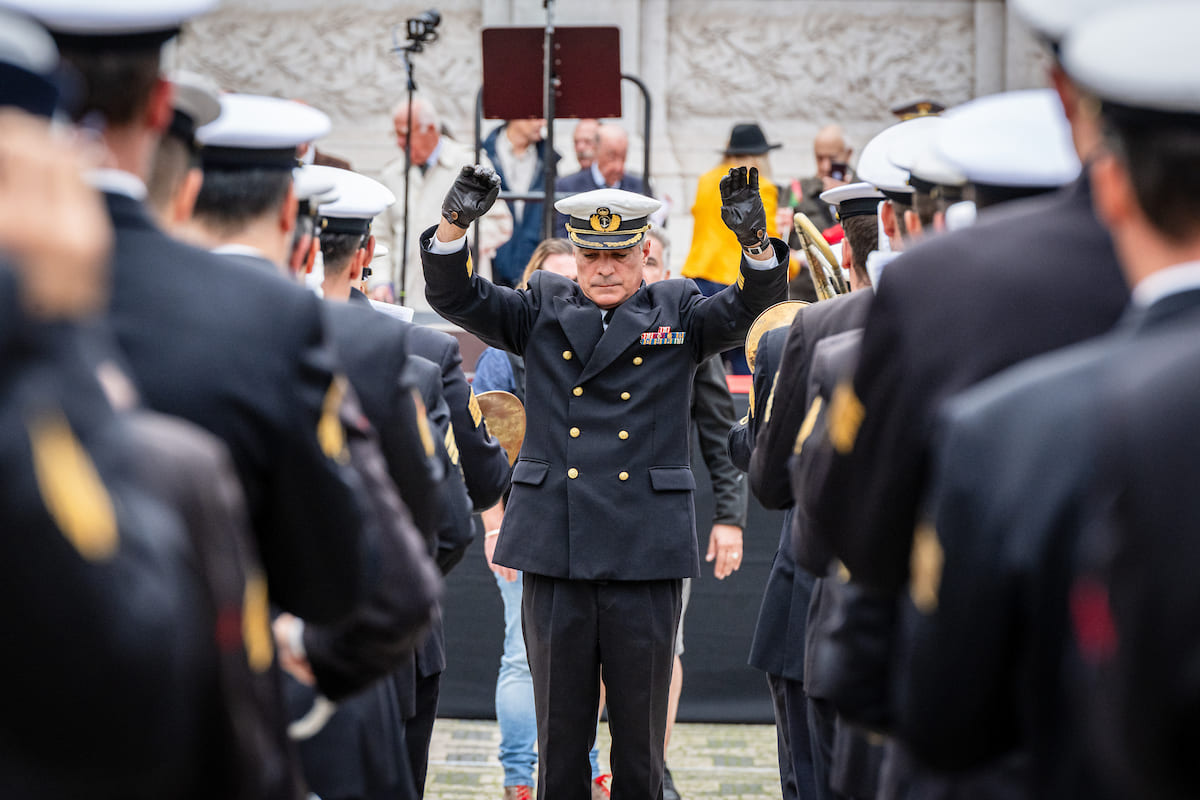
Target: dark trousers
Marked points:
418	729
795	745
822	726
573	629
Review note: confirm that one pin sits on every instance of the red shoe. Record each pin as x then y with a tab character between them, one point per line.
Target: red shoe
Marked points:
518	793
600	787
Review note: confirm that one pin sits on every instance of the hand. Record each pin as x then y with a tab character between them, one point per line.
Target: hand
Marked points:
830	183
725	545
473	192
53	226
287	629
489	549
742	207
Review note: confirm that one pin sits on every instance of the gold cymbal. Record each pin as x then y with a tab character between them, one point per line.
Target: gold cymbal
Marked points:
504	416
777	316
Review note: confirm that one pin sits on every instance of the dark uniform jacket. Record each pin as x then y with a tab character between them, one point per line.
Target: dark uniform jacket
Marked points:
778	644
713	413
1140	645
789	392
1014	463
133	649
603	489
483	462
242	353
1030	277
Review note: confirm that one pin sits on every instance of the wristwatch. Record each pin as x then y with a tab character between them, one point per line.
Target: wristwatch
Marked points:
763	246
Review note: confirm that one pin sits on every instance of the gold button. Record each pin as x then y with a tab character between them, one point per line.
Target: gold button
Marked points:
572	473
566	355
624	395
623	435
637	361
578	390
574	433
623	476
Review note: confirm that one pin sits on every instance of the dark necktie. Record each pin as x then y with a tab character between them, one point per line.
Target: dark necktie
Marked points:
608	316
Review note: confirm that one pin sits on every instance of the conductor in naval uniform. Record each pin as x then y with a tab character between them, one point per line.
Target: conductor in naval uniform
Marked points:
601	517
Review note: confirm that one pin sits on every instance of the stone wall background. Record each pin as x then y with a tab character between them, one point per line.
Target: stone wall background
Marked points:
791	65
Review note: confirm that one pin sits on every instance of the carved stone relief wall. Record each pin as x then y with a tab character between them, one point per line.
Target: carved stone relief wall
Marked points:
792	65
338	57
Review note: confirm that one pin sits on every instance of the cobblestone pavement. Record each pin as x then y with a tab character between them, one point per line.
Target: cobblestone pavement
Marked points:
735	762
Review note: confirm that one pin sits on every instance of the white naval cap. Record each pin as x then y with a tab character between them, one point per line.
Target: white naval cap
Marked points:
875	164
1142	57
28	61
255	131
195	103
853	199
607	218
359	200
1011	139
124	24
1053	19
929	169
314	185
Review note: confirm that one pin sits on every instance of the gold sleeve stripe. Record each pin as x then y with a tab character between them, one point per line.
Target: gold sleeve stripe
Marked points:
470	266
451	446
845	417
423	424
810	422
71	488
256	623
330	433
925	568
741	281
770	399
473	407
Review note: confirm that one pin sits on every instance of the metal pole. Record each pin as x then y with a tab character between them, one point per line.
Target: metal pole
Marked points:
401	290
549	85
645	127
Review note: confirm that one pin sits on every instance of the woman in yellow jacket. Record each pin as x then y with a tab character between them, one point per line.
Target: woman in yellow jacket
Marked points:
713	259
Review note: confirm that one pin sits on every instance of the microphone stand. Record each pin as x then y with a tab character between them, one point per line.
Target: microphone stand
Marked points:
415	45
550	83
402	288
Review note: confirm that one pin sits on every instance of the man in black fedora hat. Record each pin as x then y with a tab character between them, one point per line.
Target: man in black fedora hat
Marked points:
712	244
712	260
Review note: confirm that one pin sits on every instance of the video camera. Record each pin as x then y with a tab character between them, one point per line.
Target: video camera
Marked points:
422	29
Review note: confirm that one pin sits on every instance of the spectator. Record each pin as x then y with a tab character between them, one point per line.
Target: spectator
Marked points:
436	161
517	149
608	170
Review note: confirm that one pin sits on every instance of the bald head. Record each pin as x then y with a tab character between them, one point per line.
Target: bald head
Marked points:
829	147
425	133
612	144
585	136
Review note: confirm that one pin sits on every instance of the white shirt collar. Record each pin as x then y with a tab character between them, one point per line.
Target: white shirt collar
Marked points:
117	181
234	249
436	154
599	179
1166	282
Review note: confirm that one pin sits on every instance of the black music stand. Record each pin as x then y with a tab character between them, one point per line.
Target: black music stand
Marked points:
585	74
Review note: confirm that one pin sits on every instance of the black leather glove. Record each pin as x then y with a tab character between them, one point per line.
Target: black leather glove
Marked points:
473	192
741	207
